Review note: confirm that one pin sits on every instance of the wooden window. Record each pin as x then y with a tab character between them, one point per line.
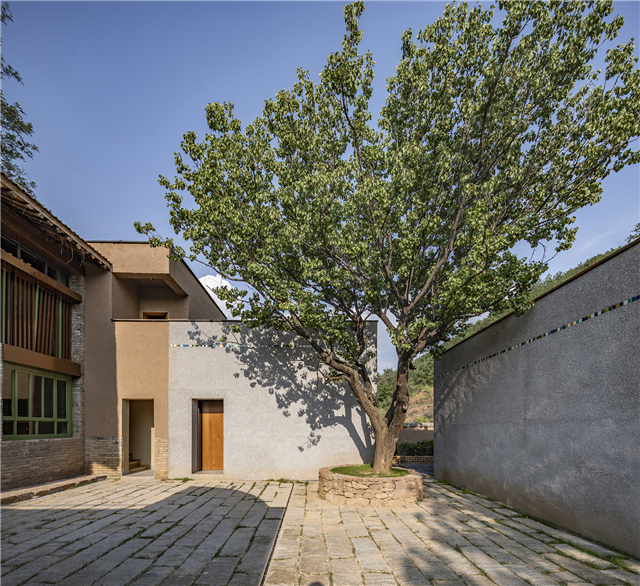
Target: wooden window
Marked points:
35	404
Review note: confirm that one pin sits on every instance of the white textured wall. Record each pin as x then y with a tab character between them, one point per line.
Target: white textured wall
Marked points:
280	419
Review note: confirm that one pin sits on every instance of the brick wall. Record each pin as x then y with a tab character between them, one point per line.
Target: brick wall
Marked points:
103	455
77	283
29	462
161	457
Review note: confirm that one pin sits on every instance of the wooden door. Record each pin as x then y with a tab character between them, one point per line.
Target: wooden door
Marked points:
212	435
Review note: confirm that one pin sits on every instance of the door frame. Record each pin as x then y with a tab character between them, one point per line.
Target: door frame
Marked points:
197	432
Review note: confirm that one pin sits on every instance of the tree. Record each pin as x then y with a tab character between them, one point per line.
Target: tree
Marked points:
15	146
425	362
489	136
635	233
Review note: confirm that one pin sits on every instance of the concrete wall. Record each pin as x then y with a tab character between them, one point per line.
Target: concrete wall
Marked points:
280	420
553	428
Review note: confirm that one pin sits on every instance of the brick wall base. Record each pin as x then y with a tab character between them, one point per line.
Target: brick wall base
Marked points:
103	455
36	461
161	457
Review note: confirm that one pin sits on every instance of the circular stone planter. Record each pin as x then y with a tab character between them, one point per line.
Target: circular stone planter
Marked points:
363	492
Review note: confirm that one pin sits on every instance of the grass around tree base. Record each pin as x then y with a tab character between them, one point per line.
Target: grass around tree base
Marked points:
366	471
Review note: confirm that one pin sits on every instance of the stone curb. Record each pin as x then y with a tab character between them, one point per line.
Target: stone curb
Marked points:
30	492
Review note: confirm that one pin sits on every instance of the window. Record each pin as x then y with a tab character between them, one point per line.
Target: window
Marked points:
35	261
154	315
35	404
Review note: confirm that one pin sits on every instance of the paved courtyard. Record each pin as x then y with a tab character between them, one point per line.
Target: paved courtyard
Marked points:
143	533
451	538
173	533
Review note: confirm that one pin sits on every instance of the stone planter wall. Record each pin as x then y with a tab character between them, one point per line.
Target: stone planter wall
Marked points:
362	492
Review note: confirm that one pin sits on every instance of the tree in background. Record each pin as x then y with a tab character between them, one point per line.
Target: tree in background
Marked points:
15	131
635	233
490	136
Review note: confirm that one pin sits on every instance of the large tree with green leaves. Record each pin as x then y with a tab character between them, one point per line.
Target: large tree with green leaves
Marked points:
16	147
490	136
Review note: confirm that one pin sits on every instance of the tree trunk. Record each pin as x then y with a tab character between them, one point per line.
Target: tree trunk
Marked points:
385	448
386	438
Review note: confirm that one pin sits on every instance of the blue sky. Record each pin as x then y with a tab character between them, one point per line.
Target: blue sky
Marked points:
111	87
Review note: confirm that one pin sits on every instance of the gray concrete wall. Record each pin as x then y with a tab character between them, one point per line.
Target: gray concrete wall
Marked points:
553	428
280	419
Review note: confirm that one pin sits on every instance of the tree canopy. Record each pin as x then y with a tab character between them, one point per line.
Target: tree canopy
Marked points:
15	145
491	135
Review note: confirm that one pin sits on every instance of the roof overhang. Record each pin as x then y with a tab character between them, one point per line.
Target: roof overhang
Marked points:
32	210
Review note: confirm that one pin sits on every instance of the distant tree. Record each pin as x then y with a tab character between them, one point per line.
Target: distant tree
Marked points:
489	136
15	130
635	233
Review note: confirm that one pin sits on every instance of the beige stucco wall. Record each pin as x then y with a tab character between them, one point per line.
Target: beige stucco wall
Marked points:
184	297
163	299
201	306
100	356
134	257
125	304
142	349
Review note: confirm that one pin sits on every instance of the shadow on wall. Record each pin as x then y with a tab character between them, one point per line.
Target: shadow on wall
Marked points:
188	534
293	377
534	450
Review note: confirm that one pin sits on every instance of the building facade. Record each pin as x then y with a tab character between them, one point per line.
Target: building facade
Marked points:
44	272
113	363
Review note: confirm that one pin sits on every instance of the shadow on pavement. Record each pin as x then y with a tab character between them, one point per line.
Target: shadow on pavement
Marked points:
144	534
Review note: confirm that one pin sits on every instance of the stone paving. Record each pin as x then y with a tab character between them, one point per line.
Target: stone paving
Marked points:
144	534
172	533
451	538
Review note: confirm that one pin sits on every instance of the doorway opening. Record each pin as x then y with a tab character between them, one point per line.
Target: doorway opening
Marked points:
138	435
210	455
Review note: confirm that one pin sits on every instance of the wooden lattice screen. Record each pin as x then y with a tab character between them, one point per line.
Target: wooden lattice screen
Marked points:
34	316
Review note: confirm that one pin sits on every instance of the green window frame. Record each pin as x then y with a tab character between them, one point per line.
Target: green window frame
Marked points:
36	404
